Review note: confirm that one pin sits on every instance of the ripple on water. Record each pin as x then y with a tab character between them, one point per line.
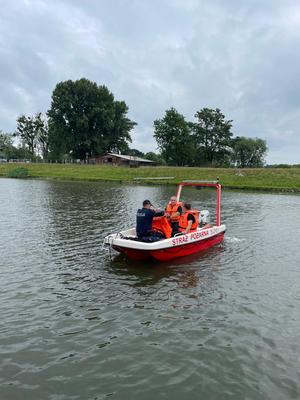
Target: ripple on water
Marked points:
223	324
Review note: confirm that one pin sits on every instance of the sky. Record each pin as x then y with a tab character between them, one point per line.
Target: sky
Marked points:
240	56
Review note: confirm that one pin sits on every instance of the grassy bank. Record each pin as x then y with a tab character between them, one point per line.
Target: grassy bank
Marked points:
286	179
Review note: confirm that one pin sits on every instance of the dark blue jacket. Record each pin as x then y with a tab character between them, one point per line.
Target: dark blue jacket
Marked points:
144	217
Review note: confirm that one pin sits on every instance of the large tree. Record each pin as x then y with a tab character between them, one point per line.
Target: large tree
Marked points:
84	120
248	152
173	136
212	136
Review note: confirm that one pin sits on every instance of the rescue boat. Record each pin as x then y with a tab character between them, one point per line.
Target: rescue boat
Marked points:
205	236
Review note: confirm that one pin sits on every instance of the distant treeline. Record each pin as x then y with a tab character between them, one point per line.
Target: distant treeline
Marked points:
85	120
283	166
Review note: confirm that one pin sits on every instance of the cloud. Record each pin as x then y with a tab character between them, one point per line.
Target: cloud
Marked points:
240	57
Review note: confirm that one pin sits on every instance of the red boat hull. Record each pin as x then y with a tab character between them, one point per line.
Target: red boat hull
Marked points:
172	252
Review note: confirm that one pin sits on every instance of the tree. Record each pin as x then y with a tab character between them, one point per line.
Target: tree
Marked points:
19	153
135	153
85	120
6	141
27	132
6	144
119	136
248	152
173	136
9	151
155	157
212	135
42	134
33	131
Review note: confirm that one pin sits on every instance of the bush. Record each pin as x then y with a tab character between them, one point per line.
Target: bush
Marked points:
19	172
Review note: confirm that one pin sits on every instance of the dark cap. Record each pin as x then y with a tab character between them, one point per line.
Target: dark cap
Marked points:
146	202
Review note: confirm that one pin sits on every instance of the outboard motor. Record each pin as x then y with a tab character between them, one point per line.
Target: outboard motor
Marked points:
204	217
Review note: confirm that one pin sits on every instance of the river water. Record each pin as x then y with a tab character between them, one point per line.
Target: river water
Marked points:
224	324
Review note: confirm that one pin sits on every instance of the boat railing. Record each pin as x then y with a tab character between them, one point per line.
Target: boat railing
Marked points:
204	183
199	182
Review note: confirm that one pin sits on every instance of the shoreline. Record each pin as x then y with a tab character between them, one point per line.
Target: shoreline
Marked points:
272	180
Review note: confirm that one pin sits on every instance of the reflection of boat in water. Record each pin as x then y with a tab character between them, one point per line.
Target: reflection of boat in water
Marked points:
179	245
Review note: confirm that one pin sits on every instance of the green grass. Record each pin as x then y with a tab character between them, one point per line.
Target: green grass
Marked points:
285	179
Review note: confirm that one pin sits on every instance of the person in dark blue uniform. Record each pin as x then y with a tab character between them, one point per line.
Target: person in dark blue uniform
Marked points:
144	217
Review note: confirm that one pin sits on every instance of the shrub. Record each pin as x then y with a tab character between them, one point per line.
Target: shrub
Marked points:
19	172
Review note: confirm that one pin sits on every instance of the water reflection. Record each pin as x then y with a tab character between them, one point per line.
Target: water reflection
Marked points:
193	280
223	323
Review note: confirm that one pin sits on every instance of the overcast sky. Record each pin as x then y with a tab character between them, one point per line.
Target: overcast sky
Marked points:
240	56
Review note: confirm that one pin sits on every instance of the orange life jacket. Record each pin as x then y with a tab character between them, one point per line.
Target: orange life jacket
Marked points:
183	221
161	224
172	210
